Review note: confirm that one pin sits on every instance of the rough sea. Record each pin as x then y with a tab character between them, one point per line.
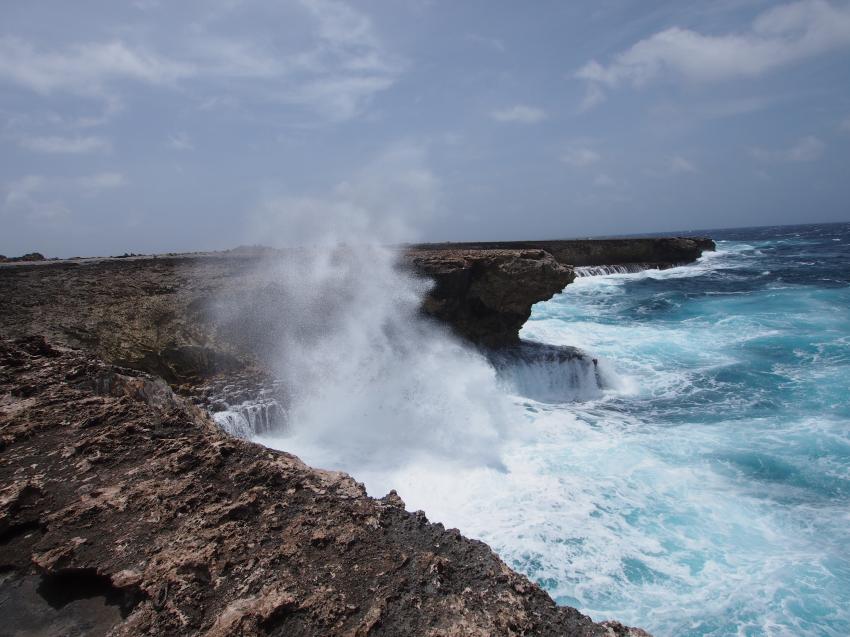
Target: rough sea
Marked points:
703	490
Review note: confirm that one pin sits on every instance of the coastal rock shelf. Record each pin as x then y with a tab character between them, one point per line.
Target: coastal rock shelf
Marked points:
648	252
486	295
163	314
126	510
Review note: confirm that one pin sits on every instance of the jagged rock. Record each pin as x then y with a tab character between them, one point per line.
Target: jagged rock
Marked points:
655	252
486	295
124	510
32	256
164	314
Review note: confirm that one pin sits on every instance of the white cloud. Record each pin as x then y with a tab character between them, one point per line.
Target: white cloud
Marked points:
580	157
679	166
604	181
778	37
65	145
180	141
805	150
335	69
83	69
24	197
338	97
490	43
345	68
40	198
519	114
101	181
388	200
593	96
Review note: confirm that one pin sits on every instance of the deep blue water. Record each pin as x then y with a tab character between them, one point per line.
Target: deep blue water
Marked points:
721	457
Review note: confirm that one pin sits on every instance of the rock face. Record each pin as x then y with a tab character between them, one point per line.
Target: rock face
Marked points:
658	252
486	295
164	314
32	256
125	511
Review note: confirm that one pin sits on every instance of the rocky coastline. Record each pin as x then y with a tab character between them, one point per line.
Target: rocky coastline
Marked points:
118	486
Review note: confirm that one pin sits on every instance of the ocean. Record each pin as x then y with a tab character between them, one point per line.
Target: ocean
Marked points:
697	484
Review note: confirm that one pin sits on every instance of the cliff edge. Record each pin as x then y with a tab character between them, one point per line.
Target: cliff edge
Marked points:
125	511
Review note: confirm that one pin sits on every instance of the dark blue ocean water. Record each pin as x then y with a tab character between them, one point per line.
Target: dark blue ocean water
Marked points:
723	498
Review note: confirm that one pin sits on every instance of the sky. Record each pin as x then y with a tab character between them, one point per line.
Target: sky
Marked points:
155	126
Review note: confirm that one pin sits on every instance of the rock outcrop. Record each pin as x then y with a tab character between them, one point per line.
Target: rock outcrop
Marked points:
174	316
31	256
486	295
651	252
125	511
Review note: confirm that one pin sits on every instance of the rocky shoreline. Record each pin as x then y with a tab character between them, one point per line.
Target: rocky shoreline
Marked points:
118	485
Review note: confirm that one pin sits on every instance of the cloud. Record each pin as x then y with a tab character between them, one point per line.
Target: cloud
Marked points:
334	70
580	157
388	200
101	181
23	197
777	37
519	114
604	181
593	96
805	150
180	141
66	145
40	198
680	166
84	69
340	97
347	66
482	40
844	126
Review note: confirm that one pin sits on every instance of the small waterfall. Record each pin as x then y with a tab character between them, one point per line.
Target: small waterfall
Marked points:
602	270
549	373
251	418
627	268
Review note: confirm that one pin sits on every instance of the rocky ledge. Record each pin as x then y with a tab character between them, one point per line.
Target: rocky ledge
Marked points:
125	511
648	252
486	294
169	315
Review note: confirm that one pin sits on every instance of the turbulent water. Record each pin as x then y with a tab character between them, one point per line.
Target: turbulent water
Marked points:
696	483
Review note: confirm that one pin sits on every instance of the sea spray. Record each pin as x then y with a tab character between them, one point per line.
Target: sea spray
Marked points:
369	383
372	383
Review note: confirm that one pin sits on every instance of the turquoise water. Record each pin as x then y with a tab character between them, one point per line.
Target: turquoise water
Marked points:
704	490
713	478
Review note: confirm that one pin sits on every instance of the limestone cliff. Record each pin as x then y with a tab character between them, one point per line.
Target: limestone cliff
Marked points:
650	252
486	295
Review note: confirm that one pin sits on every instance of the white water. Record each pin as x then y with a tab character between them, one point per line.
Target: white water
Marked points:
252	418
664	526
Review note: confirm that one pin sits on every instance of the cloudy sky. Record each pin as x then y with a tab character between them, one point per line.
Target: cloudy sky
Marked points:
155	126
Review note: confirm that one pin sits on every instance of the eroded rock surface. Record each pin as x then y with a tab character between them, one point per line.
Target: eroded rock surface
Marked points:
648	252
125	510
486	295
188	317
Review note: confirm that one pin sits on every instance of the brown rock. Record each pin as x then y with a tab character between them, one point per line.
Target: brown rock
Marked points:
185	531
